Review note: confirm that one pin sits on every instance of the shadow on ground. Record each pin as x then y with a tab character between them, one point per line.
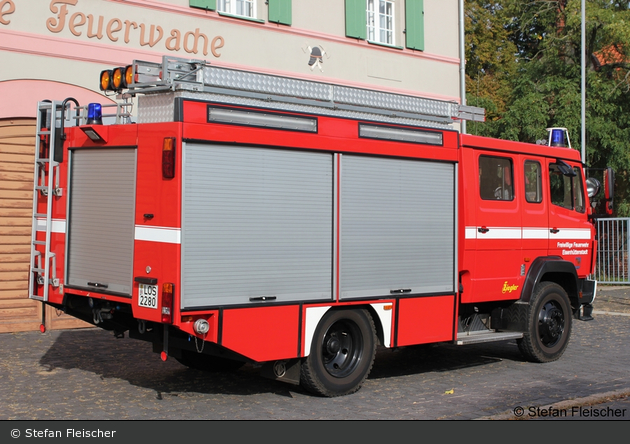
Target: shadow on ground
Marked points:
99	352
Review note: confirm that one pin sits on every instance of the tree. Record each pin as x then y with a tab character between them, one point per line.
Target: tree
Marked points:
532	79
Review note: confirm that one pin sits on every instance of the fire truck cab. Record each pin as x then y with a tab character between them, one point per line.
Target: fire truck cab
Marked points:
298	225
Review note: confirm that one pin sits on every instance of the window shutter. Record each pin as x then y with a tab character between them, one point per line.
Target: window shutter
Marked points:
356	25
204	4
414	24
280	11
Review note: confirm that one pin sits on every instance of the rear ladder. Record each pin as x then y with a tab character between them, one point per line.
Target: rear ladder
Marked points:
45	187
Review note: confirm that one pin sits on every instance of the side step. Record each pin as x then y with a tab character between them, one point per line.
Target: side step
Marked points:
464	338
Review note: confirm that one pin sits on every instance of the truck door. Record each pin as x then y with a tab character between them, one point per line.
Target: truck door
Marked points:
569	227
497	271
535	209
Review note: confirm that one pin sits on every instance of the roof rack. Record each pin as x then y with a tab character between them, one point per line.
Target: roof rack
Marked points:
197	78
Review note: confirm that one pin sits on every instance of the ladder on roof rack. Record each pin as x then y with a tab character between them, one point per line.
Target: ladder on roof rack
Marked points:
43	265
196	75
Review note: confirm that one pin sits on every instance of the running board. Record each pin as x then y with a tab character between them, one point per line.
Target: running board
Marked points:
486	336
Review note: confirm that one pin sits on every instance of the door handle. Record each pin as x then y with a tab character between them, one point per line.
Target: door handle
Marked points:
483	229
554	230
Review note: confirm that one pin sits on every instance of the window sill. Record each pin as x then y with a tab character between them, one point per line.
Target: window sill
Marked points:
386	45
241	17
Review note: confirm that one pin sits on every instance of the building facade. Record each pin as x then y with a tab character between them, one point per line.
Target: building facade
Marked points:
54	49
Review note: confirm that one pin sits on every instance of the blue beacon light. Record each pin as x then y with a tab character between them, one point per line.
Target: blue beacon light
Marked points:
94	114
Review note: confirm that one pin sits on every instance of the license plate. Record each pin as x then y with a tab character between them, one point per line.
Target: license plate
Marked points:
147	296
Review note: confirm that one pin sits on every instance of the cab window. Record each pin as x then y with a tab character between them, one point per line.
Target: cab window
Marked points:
496	178
578	191
533	181
566	191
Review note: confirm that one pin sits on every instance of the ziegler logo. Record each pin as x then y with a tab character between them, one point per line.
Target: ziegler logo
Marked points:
509	288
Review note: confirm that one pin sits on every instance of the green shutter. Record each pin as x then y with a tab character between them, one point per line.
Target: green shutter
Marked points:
414	24
280	11
356	23
204	4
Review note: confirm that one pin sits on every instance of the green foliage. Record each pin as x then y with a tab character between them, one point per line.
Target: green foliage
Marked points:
523	66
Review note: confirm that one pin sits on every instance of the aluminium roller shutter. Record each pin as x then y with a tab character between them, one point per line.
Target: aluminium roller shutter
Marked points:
101	215
397	227
256	223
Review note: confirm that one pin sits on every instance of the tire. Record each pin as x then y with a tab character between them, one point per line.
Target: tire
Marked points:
208	363
342	353
549	319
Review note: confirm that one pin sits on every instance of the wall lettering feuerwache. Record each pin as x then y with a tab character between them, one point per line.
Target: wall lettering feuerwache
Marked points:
67	15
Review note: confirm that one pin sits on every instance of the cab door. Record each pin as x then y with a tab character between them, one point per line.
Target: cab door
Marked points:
496	274
535	209
570	231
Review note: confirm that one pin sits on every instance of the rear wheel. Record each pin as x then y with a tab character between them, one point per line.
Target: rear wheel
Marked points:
548	324
342	353
208	363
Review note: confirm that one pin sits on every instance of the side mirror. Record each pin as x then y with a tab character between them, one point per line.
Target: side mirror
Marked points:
593	187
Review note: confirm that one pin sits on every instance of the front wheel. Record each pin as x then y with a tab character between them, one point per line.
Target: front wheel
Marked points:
548	324
342	353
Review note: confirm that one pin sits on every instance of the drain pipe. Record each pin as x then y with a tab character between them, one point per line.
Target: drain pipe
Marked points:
462	61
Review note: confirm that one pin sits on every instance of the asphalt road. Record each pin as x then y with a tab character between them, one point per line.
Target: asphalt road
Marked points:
90	375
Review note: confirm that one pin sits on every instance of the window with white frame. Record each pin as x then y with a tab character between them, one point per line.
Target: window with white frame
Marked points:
243	8
380	21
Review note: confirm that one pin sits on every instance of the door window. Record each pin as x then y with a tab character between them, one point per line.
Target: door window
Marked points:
566	191
496	178
533	182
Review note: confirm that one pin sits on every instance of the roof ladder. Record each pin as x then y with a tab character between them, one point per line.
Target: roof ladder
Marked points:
43	268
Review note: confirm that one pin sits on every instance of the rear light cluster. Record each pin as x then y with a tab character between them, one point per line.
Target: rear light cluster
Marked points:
167	302
168	157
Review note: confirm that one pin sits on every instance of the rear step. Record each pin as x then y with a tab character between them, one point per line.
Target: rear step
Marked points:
478	337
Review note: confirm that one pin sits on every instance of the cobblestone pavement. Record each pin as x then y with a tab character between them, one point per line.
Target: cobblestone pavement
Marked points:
90	375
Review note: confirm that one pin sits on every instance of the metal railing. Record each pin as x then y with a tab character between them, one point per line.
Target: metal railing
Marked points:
613	251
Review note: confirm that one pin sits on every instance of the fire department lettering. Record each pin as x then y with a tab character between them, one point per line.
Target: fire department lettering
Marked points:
509	288
571	248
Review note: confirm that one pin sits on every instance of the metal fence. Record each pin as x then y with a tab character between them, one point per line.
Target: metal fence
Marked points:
612	266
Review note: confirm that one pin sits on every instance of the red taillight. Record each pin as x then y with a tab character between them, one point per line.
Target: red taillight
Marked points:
167	302
168	158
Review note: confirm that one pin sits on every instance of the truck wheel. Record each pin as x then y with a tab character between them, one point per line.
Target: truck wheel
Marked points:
548	324
342	353
208	363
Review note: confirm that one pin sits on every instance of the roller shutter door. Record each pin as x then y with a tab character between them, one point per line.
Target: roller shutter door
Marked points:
101	218
397	227
256	223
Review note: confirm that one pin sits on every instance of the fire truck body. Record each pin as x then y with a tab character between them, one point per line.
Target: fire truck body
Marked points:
233	226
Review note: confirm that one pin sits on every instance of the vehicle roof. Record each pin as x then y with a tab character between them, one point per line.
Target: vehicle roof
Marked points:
471	141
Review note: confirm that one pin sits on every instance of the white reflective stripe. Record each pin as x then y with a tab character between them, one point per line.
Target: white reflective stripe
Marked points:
471	232
159	234
58	225
571	233
313	316
501	233
528	233
535	233
385	316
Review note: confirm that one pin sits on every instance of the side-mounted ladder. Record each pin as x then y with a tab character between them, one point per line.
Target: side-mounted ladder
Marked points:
51	119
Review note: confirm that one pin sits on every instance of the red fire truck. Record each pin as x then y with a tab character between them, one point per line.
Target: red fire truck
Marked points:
298	225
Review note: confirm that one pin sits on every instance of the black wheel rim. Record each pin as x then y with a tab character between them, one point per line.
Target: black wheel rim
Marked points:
342	348
550	324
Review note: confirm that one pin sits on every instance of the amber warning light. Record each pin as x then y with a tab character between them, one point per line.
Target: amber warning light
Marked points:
116	79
